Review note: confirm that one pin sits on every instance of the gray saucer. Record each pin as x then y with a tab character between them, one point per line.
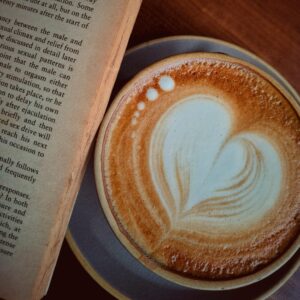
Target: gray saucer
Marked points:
93	241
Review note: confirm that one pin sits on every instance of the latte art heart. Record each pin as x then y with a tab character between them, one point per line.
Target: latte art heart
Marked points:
199	169
200	172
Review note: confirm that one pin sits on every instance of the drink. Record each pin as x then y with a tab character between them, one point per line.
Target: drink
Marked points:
197	168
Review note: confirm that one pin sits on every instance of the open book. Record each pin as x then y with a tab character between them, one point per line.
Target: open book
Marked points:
58	63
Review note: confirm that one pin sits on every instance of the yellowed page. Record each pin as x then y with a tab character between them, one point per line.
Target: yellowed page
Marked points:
58	62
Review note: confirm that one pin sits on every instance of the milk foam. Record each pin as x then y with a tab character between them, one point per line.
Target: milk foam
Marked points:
201	172
166	83
203	181
141	105
152	94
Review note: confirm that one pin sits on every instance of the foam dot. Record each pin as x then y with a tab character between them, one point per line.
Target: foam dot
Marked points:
151	94
133	121
141	105
137	114
166	83
133	135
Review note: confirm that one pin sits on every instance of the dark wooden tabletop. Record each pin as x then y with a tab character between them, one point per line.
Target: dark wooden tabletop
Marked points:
268	28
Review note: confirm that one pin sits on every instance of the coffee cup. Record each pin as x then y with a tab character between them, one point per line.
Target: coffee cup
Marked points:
197	171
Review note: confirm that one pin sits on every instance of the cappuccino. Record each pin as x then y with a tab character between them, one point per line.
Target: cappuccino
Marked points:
197	168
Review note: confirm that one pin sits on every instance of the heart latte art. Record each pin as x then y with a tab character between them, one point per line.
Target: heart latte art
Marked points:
202	174
199	168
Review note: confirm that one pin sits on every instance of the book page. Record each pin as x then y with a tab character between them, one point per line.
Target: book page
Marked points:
58	62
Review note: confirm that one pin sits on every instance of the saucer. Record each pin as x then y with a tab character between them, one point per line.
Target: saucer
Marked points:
93	241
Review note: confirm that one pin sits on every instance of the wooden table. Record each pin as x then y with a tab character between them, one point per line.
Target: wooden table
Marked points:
268	28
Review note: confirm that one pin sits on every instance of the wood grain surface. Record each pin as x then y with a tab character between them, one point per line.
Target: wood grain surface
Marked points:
268	28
